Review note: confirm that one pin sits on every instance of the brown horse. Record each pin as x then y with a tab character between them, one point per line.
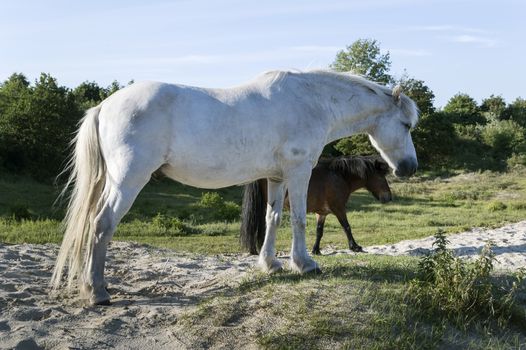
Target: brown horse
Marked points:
331	183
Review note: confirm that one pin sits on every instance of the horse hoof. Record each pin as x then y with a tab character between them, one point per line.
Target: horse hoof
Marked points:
103	303
316	271
316	252
100	297
275	268
306	266
272	267
357	249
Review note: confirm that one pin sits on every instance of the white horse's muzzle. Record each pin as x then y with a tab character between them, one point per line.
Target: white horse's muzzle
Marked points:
406	168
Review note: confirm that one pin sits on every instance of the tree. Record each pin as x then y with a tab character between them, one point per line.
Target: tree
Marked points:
505	138
15	99
493	107
364	57
516	111
463	109
434	136
37	125
355	145
89	94
114	86
418	92
434	139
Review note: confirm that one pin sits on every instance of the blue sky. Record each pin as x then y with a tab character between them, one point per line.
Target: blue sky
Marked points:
476	47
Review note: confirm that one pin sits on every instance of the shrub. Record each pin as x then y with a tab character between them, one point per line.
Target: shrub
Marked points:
504	137
355	145
214	229
516	161
230	211
167	224
496	206
219	209
461	291
435	140
211	200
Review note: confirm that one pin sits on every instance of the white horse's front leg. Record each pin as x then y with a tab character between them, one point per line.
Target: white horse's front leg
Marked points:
267	257
298	185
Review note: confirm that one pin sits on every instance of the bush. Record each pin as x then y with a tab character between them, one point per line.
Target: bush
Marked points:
355	145
211	200
167	224
461	291
516	161
496	206
435	140
505	137
219	209
230	211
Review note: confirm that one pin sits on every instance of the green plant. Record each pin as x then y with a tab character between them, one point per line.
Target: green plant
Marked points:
230	211
516	161
461	291
211	200
355	145
220	210
166	223
496	206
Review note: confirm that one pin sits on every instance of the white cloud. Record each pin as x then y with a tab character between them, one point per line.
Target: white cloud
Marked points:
459	34
472	39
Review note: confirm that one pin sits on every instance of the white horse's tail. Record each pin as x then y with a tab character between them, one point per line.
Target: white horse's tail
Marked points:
88	174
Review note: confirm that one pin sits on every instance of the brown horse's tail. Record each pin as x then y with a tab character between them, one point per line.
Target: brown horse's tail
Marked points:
252	233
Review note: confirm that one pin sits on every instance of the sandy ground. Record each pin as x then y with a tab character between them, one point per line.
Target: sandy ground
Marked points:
509	245
152	287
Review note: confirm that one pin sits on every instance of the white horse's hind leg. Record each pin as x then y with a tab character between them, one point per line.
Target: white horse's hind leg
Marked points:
297	186
118	202
267	257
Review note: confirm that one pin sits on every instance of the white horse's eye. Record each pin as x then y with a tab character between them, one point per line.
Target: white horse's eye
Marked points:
407	126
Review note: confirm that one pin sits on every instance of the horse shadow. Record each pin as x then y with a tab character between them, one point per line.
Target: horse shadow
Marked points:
383	274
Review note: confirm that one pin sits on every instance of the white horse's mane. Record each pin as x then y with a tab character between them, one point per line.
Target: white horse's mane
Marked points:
409	108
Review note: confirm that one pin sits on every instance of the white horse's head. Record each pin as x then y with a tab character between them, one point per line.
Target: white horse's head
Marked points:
391	135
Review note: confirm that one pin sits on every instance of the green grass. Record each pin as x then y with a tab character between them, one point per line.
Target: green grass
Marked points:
421	205
357	303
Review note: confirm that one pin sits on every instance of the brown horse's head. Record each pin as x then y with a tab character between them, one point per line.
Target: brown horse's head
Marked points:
364	171
376	183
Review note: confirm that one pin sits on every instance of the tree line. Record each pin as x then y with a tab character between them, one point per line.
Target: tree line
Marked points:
38	121
461	135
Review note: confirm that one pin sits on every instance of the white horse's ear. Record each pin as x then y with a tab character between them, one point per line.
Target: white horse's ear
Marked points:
397	90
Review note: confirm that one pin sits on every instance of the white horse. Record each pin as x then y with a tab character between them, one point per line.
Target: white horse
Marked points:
273	127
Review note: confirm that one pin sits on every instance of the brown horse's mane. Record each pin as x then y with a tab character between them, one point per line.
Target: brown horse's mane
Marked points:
361	166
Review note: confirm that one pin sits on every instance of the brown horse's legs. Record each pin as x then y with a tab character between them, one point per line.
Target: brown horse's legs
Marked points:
320	222
342	218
